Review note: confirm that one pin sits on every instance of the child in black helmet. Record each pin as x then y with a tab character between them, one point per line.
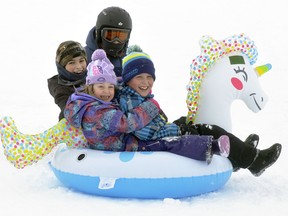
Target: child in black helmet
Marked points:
111	33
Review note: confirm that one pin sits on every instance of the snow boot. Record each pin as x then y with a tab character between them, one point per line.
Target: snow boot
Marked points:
221	146
253	140
264	159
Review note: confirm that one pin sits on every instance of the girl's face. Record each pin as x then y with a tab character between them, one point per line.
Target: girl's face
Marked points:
142	84
104	91
77	65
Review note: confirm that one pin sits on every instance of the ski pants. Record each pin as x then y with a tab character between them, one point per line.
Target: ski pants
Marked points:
191	146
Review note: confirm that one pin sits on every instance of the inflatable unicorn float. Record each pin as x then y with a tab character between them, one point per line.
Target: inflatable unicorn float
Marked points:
222	73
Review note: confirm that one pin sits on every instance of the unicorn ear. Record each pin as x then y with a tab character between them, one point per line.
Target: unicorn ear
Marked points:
260	70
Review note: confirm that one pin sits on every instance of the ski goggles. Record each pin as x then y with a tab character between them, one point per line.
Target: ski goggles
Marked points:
113	34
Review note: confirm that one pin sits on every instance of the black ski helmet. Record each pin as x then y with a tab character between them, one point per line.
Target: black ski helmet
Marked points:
113	17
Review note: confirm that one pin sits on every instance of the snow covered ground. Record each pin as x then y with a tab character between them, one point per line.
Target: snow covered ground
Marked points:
169	31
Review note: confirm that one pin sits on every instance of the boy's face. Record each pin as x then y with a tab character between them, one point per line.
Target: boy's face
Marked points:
142	84
77	65
104	91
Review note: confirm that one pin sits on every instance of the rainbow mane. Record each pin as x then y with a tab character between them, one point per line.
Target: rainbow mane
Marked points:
211	51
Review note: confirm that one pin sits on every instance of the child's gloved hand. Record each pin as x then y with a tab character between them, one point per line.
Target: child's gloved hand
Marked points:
186	129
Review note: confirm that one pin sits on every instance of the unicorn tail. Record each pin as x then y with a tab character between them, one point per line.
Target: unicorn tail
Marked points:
25	149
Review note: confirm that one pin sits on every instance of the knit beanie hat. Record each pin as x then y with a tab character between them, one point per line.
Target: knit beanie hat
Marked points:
135	63
69	50
100	69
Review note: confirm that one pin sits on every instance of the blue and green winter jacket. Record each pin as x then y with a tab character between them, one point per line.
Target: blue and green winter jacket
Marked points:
158	128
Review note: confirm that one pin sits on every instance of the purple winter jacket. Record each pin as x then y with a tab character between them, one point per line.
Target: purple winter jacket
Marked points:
104	125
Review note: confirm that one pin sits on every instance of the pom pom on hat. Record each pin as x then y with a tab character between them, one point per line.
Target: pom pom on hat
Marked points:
133	48
135	63
100	69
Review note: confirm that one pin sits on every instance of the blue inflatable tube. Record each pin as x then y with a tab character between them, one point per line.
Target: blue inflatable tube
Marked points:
144	175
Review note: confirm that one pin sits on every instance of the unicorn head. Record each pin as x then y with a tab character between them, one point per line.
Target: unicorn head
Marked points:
222	73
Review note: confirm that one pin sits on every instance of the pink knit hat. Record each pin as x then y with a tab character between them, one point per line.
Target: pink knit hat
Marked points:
100	69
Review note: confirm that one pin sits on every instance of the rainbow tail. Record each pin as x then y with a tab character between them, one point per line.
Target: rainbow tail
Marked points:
24	149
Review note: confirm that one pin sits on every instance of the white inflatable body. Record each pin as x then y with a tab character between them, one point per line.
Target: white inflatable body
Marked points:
145	175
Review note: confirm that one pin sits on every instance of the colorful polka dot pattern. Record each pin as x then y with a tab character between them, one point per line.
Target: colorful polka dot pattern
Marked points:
211	51
24	149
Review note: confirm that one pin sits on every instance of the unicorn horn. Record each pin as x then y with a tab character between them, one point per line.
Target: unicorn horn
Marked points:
260	70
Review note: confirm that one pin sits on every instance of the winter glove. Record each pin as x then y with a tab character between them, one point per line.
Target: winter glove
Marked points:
186	129
180	121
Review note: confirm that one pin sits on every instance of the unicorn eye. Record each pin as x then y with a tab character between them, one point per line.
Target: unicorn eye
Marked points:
81	157
244	74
